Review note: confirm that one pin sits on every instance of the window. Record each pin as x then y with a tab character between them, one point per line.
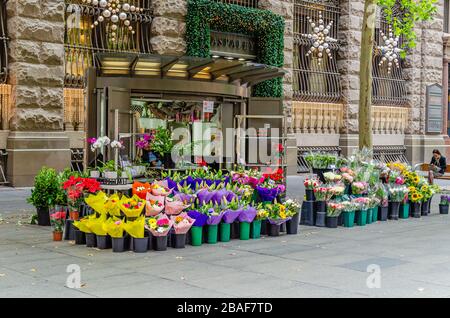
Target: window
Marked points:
316	78
244	3
388	88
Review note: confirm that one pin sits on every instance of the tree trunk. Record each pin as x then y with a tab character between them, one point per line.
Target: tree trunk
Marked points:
365	75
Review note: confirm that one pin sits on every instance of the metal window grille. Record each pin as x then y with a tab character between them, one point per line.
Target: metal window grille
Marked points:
387	89
302	152
311	81
82	41
390	154
244	3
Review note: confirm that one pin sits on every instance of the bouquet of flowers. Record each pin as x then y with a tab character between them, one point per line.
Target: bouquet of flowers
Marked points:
292	207
331	177
398	193
141	189
112	205
182	223
154	207
96	224
185	194
114	227
248	214
359	187
132	207
261	212
310	184
337	189
159	225
174	206
97	202
277	213
322	193
57	220
269	190
334	209
84	224
415	195
161	188
374	201
76	187
347	178
348	171
445	199
382	194
135	228
362	203
349	206
232	210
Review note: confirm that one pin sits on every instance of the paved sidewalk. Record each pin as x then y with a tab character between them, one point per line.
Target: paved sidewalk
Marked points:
413	256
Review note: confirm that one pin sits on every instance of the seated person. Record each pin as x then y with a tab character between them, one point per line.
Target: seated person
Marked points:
438	165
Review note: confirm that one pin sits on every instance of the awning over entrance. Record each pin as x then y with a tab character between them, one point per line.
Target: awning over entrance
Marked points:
185	67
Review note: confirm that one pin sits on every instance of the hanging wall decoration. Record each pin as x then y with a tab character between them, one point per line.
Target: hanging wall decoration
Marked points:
115	13
390	52
320	38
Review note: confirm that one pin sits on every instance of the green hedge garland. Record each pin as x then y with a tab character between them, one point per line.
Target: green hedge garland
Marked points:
267	27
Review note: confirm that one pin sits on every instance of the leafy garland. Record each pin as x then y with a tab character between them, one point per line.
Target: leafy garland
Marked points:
267	27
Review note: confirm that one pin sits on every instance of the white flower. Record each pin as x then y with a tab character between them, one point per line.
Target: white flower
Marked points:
116	144
105	140
160	230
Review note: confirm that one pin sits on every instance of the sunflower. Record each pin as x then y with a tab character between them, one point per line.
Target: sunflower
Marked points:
416	179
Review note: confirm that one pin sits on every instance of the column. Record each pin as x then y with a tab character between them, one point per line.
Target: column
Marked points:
36	31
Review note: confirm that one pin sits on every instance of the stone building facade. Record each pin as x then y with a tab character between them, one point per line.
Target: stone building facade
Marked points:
39	56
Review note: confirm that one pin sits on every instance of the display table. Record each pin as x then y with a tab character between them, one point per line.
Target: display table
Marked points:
124	188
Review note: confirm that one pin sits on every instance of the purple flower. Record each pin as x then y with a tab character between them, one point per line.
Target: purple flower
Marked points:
91	140
205	196
266	194
200	218
248	214
229	216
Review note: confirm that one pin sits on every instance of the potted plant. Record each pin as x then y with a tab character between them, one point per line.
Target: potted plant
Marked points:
443	205
197	228
293	212
159	226
404	208
96	144
114	228
361	213
427	194
310	185
109	170
415	197
277	216
261	214
136	229
181	224
320	163
322	194
374	202
382	194
84	227
333	211
231	213
347	177
44	193
348	210
396	195
162	145
246	219
57	220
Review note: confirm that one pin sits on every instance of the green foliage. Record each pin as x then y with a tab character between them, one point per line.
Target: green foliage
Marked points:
163	142
413	11
320	160
46	188
267	27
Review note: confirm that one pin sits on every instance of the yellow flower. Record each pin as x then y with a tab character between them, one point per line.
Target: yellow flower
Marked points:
282	215
152	223
282	209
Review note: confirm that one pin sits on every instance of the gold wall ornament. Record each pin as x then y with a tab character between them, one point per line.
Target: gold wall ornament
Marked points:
115	13
390	52
320	38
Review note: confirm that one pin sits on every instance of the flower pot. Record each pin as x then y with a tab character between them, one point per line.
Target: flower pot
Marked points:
307	215
74	215
179	240
57	235
225	230
394	210
255	229
321	206
369	216
340	220
292	225
332	222
167	161
235	229
140	245
196	235
94	174
110	174
69	231
404	211
212	234
273	229
264	227
80	237
320	219
443	209
425	209
244	231
416	210
118	244
91	240
160	243
310	195
383	212
151	240
103	242
43	216
361	217
375	214
349	218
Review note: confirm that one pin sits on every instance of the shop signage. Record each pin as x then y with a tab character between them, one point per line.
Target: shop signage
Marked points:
208	106
233	45
434	109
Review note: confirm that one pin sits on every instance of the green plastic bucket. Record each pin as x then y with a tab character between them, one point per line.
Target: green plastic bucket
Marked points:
244	230
255	229
375	214
196	235
212	234
225	232
361	218
369	216
404	211
349	218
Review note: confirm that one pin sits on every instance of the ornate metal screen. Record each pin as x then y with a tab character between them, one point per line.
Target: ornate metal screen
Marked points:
314	81
3	43
244	3
388	89
82	41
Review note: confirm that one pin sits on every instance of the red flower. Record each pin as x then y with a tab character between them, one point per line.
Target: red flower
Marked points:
58	216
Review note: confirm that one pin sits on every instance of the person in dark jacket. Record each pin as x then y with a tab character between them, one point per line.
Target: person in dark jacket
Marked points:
438	166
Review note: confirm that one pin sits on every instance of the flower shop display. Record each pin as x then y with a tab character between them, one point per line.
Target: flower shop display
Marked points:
322	194
293	212
415	197
310	185
359	188
443	204
132	207
331	177
181	225
154	205
246	218
261	214
320	163
101	236
115	229
348	211
277	216
374	206
334	209
396	196
57	221
232	211
76	188
141	189
361	212
136	229
159	227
